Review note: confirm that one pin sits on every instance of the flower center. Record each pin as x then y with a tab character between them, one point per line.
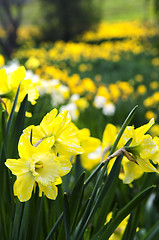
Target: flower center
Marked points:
38	165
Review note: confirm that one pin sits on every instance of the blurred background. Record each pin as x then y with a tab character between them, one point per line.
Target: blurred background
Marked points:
91	57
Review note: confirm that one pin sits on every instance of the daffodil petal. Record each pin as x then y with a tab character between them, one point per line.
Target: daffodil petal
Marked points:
89	162
60	123
145	165
46	123
28	87
83	134
23	186
140	131
65	166
25	148
46	144
18	166
68	147
131	172
50	191
109	135
90	144
58	181
148	147
3	81
16	77
37	133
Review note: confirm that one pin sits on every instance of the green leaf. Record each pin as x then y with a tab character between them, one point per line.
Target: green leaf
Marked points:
153	233
104	192
24	223
82	223
125	124
17	220
4	119
124	212
38	219
53	229
78	167
66	217
130	230
12	113
94	173
17	129
75	200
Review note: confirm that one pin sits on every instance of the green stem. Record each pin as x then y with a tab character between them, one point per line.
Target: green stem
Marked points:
125	124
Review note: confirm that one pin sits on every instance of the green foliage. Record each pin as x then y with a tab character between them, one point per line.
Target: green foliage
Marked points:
72	215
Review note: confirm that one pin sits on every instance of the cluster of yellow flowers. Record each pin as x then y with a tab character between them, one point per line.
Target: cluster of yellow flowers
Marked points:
131	32
74	52
45	150
75	93
9	85
47	158
133	29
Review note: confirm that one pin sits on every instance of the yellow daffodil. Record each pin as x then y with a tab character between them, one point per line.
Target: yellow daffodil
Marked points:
109	135
9	85
137	156
92	149
2	60
37	165
143	149
64	137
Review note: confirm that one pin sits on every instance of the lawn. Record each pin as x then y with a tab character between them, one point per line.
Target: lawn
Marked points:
118	10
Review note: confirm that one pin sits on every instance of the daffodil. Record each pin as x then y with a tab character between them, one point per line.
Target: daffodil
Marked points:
137	156
9	86
92	149
37	165
59	127
109	136
143	148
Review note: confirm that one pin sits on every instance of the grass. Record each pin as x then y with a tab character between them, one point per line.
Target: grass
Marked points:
118	10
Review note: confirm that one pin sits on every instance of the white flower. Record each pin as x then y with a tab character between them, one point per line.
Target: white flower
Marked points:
109	109
74	97
99	101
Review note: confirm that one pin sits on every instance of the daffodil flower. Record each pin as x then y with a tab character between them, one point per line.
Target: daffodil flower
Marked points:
59	128
9	85
137	156
37	165
143	149
92	149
